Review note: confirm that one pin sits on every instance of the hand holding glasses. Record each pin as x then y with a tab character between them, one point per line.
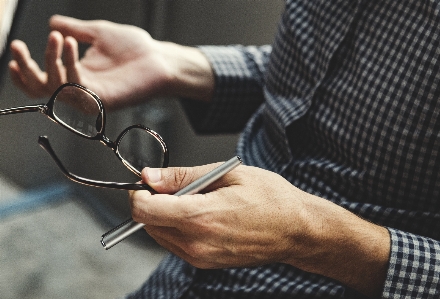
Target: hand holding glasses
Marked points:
80	110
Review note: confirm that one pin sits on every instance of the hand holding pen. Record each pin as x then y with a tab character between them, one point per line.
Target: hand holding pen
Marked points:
129	227
248	217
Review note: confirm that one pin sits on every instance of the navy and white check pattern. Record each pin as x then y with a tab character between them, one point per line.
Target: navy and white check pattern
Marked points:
345	105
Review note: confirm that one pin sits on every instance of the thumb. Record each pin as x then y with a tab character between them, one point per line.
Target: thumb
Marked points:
83	31
172	179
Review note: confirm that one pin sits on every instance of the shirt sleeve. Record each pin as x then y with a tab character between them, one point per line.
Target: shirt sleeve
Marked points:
414	267
239	79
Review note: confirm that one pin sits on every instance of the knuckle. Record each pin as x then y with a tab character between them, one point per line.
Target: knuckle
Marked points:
101	24
204	224
137	212
182	176
197	250
192	250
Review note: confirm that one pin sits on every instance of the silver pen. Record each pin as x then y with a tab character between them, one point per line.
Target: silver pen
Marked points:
125	229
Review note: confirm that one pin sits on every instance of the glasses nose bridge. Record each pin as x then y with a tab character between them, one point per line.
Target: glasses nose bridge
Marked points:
107	142
45	110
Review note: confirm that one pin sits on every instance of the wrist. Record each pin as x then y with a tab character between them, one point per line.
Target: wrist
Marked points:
344	247
189	73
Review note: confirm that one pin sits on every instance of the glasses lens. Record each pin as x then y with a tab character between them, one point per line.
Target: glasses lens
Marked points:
79	110
140	148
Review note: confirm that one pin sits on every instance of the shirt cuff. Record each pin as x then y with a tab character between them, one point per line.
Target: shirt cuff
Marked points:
239	75
414	267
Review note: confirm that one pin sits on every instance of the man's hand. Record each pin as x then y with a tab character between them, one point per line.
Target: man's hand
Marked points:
249	217
253	217
123	64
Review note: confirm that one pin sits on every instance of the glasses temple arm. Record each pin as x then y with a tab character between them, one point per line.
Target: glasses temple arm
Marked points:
44	143
23	109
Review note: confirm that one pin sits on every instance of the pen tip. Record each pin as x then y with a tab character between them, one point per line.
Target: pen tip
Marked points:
103	244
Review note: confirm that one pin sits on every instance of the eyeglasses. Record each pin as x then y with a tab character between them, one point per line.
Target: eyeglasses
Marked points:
80	110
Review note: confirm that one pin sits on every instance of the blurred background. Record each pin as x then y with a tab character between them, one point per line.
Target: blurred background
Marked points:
49	227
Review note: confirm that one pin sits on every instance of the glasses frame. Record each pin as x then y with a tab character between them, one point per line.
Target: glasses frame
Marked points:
47	109
45	144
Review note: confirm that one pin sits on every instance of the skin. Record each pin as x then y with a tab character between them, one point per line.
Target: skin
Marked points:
253	217
250	216
113	70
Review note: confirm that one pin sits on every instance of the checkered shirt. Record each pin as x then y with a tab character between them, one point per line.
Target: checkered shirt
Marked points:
345	105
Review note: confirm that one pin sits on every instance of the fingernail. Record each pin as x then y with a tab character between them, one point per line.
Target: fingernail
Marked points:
154	175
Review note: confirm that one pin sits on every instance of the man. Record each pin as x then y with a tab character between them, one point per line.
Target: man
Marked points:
339	195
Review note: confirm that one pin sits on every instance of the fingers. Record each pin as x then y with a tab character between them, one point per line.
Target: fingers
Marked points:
162	209
71	59
167	210
56	74
14	71
82	31
194	251
172	179
25	72
28	76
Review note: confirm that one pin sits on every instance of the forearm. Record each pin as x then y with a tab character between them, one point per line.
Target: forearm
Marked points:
345	247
